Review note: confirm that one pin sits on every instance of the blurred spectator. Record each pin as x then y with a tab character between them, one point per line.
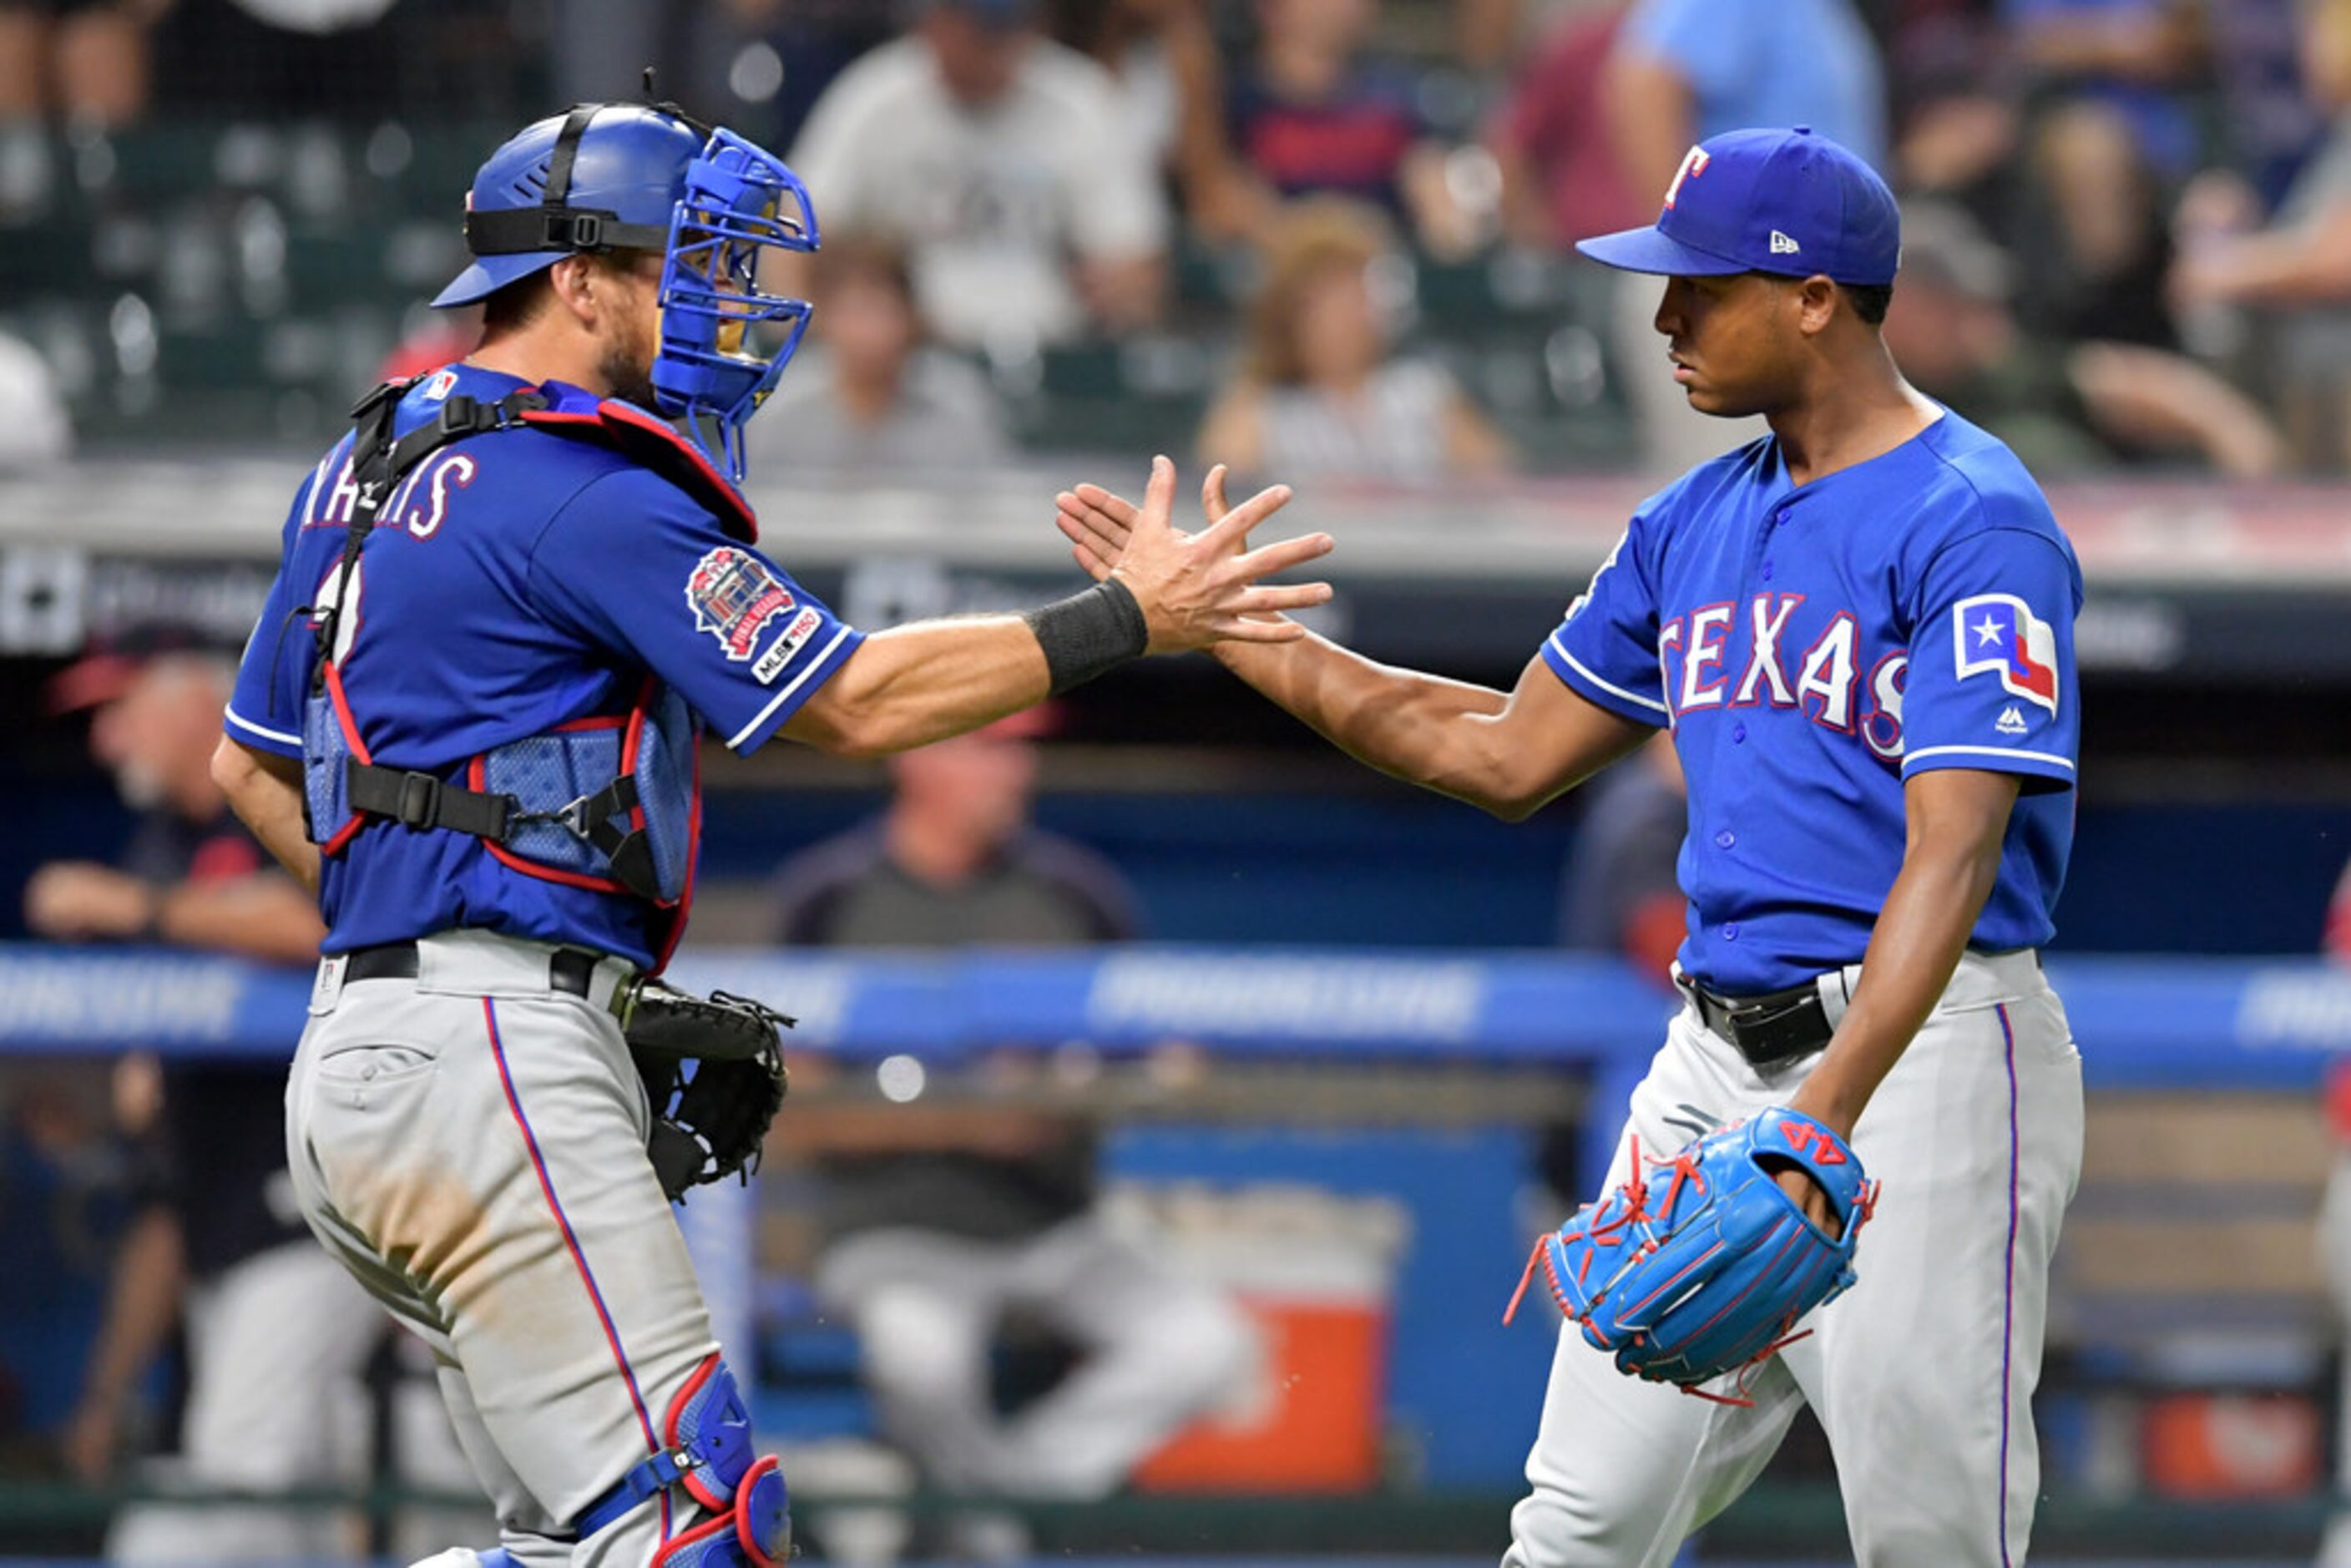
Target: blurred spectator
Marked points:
34	426
82	62
65	1186
1318	395
1683	70
1164	56
2103	141
1953	81
2127	55
1487	34
354	60
2065	407
1310	113
2270	120
2296	271
1009	167
948	1225
1562	181
218	1238
1688	69
864	394
755	66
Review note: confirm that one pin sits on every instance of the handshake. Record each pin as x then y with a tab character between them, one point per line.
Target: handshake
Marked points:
1194	590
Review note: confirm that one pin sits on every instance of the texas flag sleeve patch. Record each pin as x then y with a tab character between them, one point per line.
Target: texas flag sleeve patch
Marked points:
1997	634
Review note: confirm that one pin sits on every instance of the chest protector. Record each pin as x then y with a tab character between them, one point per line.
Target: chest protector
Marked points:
609	802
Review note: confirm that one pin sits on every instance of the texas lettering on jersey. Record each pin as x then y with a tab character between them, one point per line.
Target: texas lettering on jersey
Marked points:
1716	657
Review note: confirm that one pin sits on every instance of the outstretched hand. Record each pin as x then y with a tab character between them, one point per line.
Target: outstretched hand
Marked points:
1195	589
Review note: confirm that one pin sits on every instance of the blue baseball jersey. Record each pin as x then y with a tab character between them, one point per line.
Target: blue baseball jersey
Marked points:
1811	646
513	582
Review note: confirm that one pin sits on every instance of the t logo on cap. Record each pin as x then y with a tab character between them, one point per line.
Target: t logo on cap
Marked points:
1694	163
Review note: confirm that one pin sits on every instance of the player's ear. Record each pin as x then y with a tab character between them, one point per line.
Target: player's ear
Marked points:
1815	300
576	286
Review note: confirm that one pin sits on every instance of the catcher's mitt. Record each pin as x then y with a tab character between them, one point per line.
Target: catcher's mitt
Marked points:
713	1071
1700	1265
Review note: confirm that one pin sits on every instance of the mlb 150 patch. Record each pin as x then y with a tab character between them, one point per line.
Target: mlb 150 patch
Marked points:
733	595
792	640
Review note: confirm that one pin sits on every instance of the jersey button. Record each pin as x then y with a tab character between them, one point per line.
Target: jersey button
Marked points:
1725	839
1737	735
1767	571
1730	932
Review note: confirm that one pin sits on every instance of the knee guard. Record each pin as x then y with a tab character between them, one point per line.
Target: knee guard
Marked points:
708	1431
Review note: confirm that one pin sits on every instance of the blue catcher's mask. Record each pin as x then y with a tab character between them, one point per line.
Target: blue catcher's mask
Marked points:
649	177
737	203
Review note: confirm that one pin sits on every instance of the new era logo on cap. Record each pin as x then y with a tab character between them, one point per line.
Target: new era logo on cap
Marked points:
1766	201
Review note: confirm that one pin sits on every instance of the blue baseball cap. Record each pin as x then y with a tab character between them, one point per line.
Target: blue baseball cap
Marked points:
1766	201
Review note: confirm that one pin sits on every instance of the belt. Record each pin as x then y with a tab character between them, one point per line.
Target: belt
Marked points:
1776	1027
569	969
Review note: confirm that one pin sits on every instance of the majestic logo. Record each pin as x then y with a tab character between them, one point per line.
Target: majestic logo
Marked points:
1996	634
2010	721
1783	246
1694	163
734	596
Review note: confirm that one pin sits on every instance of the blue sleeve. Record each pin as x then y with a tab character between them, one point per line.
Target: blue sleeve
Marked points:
1705	41
1990	681
633	564
1606	649
264	711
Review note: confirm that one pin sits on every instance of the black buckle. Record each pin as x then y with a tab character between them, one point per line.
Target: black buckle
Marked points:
460	414
1766	1030
587	231
419	801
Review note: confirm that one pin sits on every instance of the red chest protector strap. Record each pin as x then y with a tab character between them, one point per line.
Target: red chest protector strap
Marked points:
650	442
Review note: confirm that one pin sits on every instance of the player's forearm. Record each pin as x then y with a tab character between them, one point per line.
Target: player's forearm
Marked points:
139	1306
1424	729
1920	934
265	792
2304	265
914	684
266	917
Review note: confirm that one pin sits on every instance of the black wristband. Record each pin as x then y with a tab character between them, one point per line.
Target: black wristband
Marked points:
1089	634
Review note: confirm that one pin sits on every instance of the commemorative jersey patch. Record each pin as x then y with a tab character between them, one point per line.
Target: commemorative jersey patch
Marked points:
1997	634
780	653
733	595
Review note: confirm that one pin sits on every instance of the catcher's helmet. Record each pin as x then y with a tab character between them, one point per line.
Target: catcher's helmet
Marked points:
625	176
